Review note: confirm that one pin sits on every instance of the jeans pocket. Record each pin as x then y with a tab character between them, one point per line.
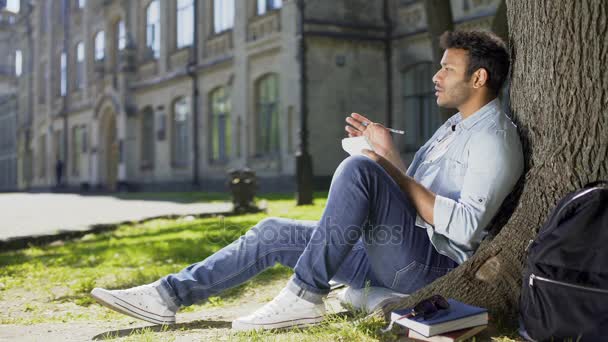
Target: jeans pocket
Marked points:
416	275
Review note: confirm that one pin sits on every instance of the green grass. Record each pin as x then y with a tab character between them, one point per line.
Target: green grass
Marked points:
50	284
130	255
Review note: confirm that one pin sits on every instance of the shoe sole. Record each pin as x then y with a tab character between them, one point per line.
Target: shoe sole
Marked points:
295	323
112	302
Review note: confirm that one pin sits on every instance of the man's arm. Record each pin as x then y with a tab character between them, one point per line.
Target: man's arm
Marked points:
422	198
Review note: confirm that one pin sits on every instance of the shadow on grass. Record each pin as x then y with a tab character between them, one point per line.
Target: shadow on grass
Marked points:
201	324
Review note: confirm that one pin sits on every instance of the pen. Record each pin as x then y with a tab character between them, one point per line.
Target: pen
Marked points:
398	131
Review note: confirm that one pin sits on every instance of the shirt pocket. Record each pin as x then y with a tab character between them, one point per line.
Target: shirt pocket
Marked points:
455	171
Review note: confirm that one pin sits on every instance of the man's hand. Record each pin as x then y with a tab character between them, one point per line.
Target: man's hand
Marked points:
377	135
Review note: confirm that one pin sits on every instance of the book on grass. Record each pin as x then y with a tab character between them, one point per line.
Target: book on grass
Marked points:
458	316
451	336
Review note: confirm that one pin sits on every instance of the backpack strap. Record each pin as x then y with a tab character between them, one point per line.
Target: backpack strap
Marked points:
597	183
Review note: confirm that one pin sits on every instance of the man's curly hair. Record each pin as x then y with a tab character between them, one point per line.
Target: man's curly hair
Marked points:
485	49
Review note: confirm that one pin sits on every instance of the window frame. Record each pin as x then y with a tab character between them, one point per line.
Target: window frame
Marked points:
184	35
426	118
274	135
223	96
152	30
99	46
219	27
264	7
180	144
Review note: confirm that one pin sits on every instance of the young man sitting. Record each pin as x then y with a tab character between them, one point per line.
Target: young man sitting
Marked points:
394	229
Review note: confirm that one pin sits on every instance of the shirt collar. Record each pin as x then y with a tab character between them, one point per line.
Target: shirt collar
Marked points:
490	108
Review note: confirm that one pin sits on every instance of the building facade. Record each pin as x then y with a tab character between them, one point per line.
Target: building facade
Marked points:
8	103
158	94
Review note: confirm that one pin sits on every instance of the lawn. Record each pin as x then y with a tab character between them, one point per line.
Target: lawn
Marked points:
51	284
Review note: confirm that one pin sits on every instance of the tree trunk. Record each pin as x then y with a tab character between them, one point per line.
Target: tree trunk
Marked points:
559	100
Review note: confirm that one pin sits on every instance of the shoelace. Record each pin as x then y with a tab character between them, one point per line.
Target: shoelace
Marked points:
271	308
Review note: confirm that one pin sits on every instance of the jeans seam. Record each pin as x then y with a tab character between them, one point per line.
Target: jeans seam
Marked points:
246	267
405	269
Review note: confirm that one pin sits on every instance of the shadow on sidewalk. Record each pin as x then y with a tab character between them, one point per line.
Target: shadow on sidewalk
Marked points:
162	328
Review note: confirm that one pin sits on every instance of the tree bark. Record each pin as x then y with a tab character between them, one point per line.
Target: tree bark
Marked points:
559	100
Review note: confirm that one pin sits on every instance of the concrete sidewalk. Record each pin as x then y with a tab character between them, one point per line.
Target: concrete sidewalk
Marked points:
23	215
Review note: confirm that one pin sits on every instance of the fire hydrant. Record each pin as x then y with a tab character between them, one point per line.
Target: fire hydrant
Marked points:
243	184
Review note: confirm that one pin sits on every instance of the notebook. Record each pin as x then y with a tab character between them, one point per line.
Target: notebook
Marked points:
458	316
355	145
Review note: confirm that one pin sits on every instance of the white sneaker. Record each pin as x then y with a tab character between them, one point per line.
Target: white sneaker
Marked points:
285	310
143	302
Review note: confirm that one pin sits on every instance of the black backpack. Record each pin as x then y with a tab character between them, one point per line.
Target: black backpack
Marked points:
565	282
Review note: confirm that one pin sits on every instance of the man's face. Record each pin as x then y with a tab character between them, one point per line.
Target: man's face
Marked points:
452	87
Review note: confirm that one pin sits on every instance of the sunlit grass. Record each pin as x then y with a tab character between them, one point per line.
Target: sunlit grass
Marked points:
50	284
47	276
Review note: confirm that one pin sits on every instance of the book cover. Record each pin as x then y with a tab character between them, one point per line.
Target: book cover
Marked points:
458	316
452	336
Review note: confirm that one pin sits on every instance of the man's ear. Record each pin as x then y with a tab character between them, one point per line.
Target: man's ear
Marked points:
480	77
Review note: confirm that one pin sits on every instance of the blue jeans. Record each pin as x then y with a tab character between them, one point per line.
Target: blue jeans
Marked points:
365	235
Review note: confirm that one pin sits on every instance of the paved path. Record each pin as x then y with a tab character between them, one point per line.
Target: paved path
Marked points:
42	214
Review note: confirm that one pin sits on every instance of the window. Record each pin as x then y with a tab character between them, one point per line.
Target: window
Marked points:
185	23
76	149
267	125
82	3
268	5
18	63
420	109
147	138
63	85
223	15
13	5
121	35
180	137
153	29
100	45
221	132
80	66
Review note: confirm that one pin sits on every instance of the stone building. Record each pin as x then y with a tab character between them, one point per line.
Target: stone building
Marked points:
8	104
164	94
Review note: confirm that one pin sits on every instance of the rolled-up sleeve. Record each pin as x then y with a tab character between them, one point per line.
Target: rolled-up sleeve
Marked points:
495	164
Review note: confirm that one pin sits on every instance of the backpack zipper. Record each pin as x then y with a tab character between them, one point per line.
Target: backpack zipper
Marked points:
579	287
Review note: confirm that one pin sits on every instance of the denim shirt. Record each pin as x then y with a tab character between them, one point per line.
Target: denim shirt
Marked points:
471	177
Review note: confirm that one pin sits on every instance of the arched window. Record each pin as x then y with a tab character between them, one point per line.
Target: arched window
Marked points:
153	29
221	130
421	114
100	45
147	138
180	137
185	23
80	66
267	110
223	15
